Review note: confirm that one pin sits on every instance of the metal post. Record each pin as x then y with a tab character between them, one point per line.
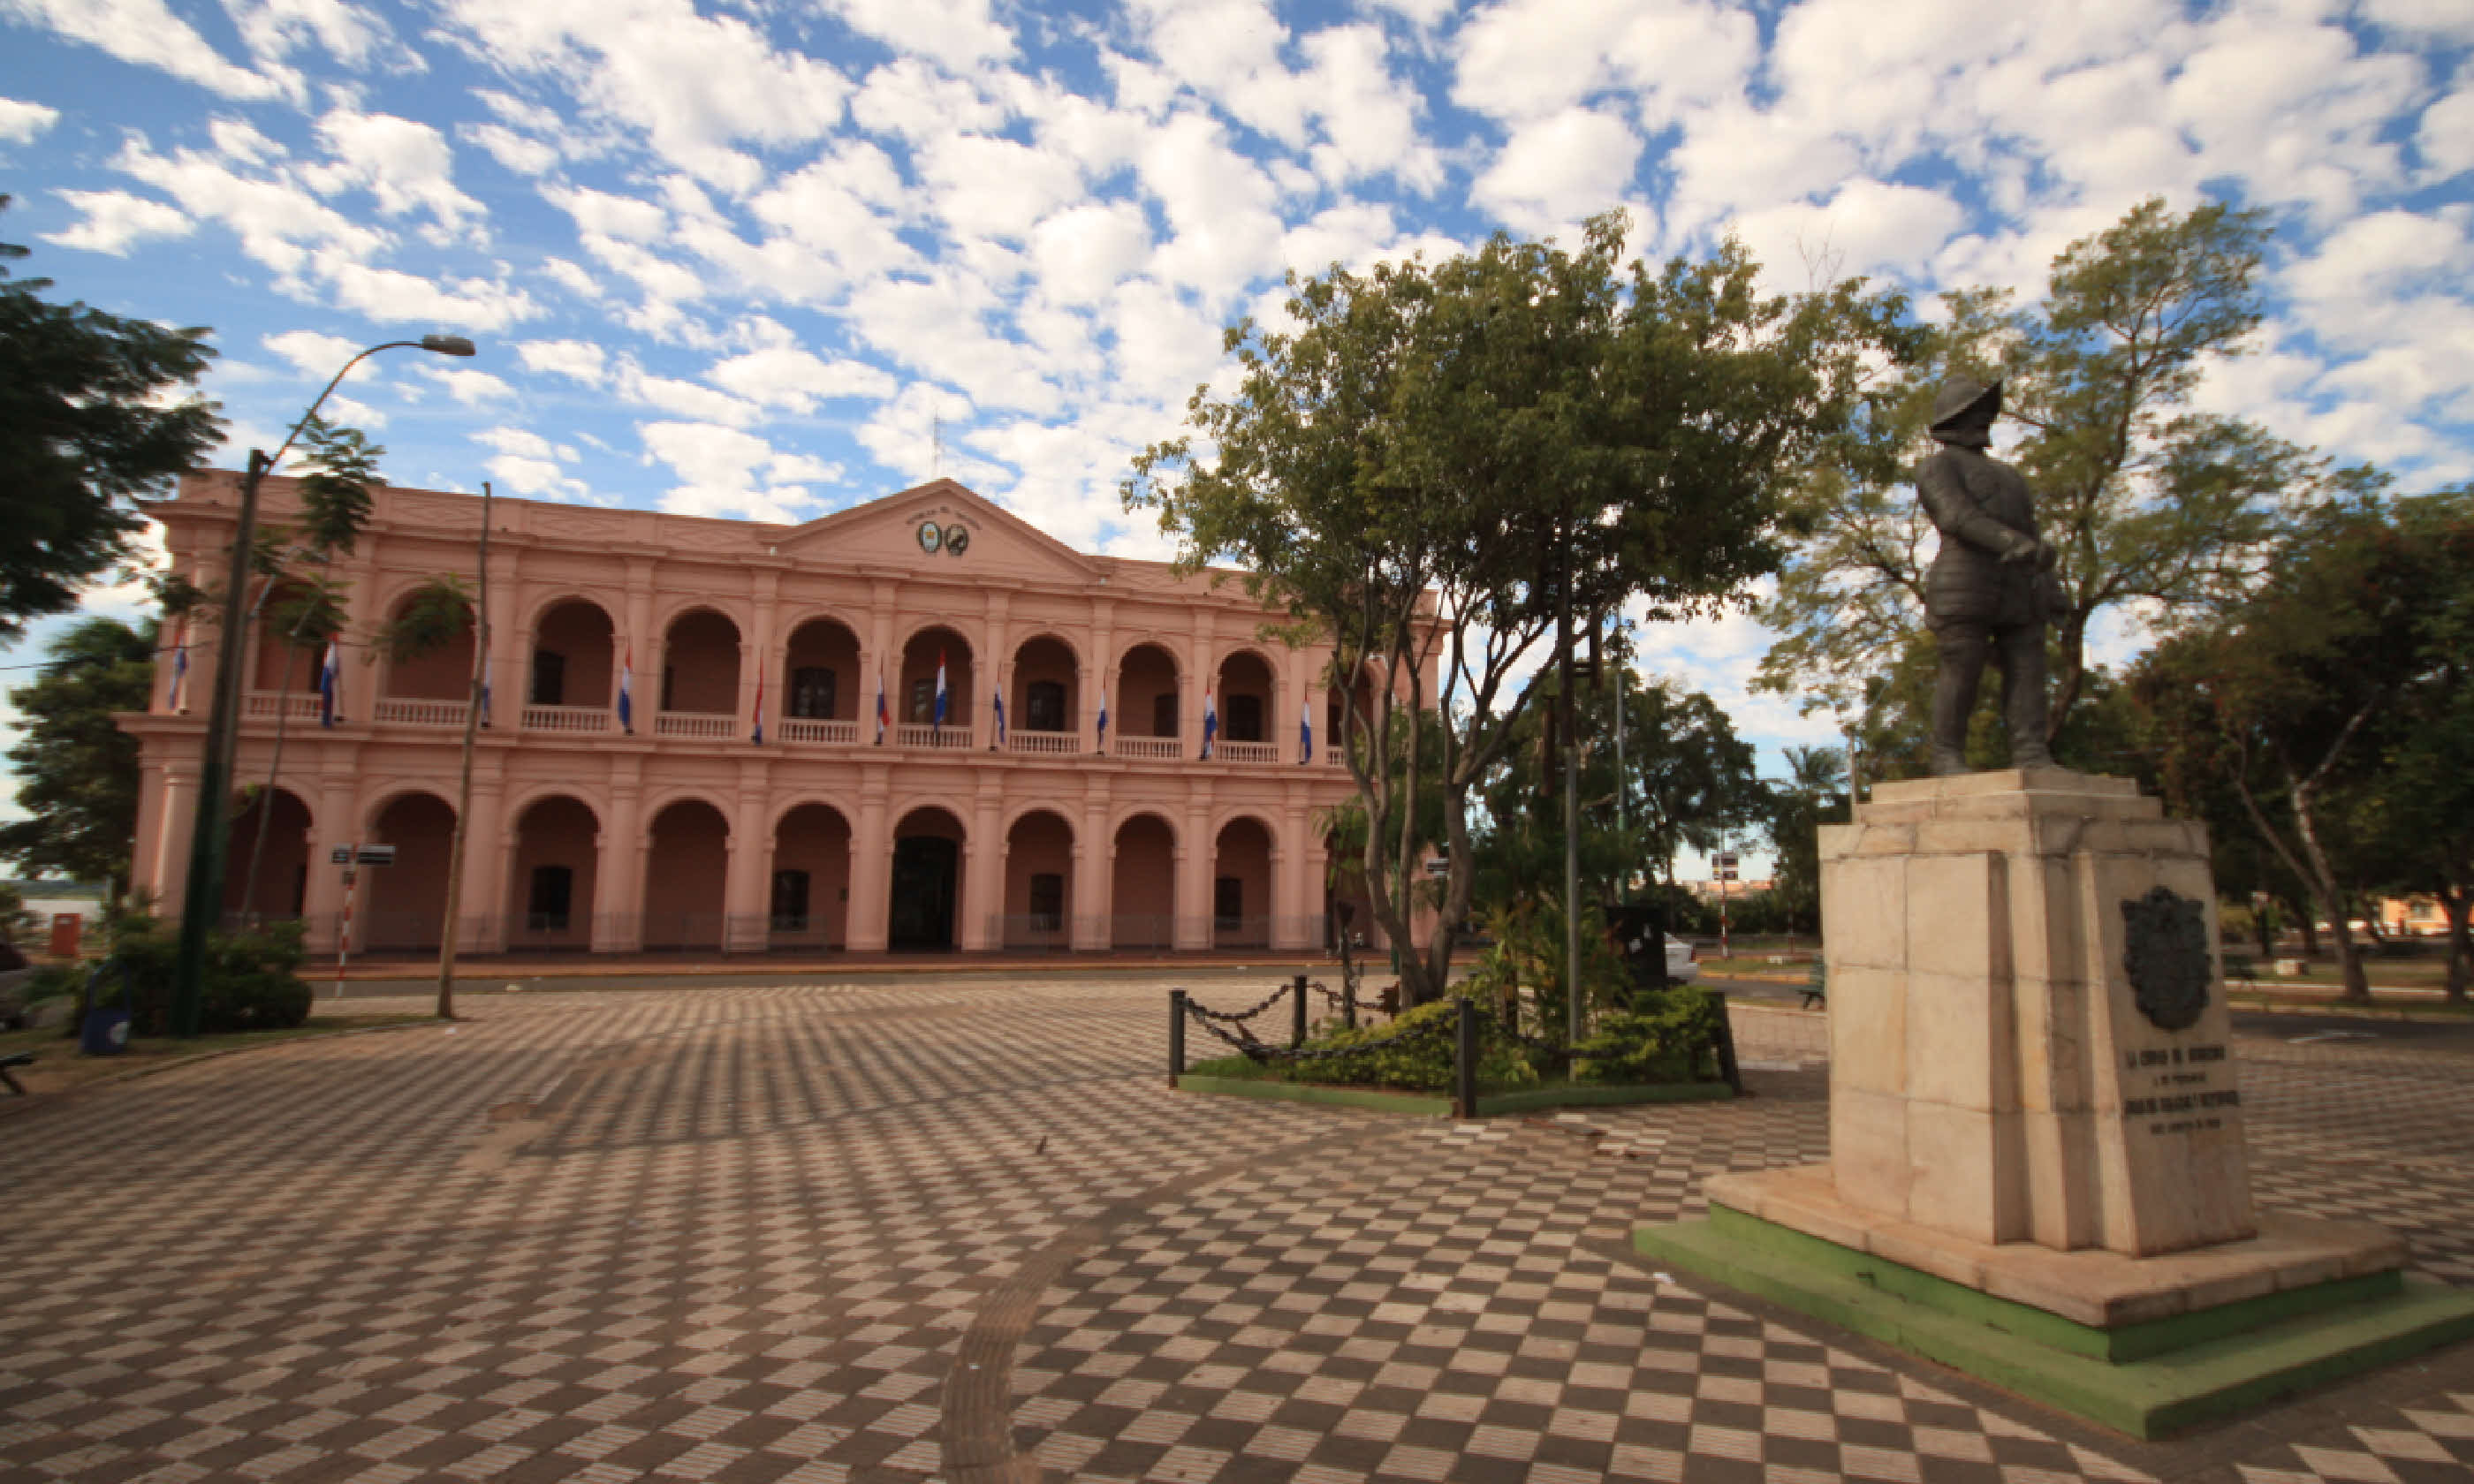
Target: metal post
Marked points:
1571	803
1730	1072
203	900
1297	1028
1175	1036
464	788
1464	1059
344	932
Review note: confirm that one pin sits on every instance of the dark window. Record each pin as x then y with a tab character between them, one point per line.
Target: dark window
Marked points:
669	679
1047	902
791	901
1229	902
1244	722
549	678
1043	706
812	693
553	894
923	702
1164	714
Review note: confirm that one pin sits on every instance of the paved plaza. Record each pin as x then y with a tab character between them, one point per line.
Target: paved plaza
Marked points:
959	1229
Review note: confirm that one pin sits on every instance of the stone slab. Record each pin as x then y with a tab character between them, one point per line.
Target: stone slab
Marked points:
2092	1286
2145	1398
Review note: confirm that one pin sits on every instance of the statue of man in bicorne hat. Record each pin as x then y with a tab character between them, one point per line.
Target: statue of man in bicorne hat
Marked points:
1992	588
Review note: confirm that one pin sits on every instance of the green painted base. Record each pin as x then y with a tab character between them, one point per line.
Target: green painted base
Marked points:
2185	1371
1488	1104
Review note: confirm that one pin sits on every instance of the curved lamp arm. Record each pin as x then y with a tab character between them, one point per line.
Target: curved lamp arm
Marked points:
441	344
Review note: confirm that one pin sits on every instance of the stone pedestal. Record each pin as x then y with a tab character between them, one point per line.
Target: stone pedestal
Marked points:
2037	1168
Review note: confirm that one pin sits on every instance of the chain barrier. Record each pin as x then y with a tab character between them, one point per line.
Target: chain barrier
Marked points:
1245	1042
1235	1018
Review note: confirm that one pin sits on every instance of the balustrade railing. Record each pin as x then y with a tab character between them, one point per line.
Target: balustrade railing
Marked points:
268	705
568	718
411	711
707	725
1247	751
803	730
1148	747
1049	744
949	738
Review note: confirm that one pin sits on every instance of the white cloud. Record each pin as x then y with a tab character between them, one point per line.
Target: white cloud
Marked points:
783	377
725	471
146	34
1082	252
522	153
405	164
116	221
1867	226
278	27
577	360
472	387
20	122
524	443
996	185
1525	59
454	305
279	222
2445	137
1558	169
957	33
313	354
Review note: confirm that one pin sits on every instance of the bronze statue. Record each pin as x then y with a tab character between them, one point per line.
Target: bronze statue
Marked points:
1992	588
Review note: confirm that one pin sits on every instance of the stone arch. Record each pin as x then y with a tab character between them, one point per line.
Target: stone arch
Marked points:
1247	686
403	906
927	878
686	865
281	889
1142	897
1045	694
1144	691
1039	868
573	653
1242	881
820	679
271	648
553	871
914	677
444	674
807	903
700	657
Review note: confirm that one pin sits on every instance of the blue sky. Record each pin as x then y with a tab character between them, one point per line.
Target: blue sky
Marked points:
748	259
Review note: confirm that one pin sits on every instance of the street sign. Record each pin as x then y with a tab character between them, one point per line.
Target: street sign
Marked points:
1725	862
340	855
1439	865
377	855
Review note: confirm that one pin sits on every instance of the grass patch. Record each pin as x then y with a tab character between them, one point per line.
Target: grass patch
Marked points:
57	1067
1553	1093
2322	1004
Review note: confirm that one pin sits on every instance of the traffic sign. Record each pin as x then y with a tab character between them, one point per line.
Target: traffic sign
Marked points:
370	856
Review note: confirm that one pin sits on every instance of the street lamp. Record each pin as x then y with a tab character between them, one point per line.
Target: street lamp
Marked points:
202	901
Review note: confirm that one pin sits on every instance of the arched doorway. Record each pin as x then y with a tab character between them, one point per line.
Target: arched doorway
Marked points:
927	881
403	904
809	900
283	665
1043	713
573	657
700	667
686	873
820	683
1142	901
1241	885
281	885
554	875
1039	882
1145	718
1246	700
442	674
913	700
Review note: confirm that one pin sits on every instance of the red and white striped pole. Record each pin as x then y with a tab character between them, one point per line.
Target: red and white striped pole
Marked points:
344	937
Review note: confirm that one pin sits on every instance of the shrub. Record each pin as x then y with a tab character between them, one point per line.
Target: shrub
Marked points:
1663	1037
251	979
1527	953
1423	1063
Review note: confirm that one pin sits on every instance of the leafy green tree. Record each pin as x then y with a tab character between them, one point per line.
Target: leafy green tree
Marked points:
1378	468
1813	794
2297	697
87	424
76	773
2146	502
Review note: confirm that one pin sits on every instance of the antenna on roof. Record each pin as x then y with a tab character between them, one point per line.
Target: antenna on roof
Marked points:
937	445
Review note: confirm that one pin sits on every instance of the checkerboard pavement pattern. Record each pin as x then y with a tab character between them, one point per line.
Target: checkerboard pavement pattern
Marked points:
738	1234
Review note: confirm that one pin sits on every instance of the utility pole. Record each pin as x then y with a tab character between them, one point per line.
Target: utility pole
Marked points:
1571	800
464	788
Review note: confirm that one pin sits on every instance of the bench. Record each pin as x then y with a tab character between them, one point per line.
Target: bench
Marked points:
1816	986
14	1059
2241	969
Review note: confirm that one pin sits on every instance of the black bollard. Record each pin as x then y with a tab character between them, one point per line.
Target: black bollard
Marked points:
1175	1036
1465	1061
1298	1027
1728	1071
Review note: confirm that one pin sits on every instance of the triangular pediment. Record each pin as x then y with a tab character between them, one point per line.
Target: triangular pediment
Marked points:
887	534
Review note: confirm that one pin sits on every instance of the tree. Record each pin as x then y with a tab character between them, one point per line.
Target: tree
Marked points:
1813	794
77	772
2348	652
1378	469
2144	501
87	427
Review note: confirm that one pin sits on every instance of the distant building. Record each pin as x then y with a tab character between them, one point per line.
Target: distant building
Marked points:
665	824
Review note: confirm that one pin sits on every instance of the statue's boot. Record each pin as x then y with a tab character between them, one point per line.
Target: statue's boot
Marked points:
1948	762
2035	756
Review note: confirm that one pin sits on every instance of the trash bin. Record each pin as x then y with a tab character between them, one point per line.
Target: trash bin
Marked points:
106	1029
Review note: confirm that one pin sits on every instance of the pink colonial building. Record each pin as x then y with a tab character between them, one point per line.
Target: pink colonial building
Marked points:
1088	819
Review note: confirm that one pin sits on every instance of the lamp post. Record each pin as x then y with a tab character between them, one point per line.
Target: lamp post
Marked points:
202	901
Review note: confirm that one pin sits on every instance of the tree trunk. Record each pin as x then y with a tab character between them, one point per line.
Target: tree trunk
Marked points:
2349	961
2259	925
2308	919
2456	901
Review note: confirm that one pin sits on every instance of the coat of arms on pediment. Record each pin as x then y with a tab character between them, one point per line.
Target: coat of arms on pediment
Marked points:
939	529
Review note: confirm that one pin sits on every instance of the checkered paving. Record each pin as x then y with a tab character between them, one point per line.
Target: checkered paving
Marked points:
741	1234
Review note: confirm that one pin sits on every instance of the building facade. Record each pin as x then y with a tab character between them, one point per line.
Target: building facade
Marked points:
623	802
